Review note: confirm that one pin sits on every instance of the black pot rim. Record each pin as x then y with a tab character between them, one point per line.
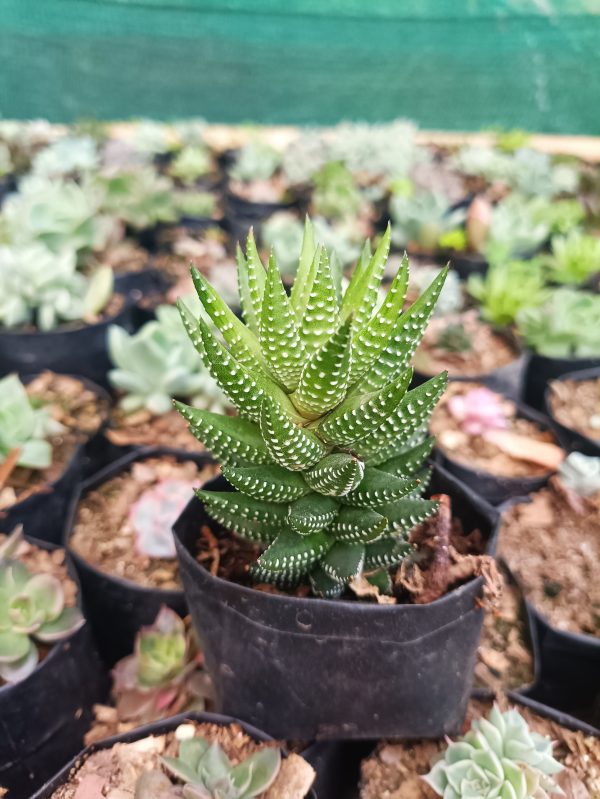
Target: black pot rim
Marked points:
107	472
578	375
366	607
534	613
57	331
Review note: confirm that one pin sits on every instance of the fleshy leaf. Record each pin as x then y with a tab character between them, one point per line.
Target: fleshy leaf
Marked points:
344	561
358	525
323	585
336	474
378	488
407	463
384	553
293	551
404	514
69	621
251	283
270	483
307	268
320	319
290	446
312	513
362	293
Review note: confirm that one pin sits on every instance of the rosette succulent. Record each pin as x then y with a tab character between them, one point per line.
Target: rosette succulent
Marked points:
158	363
191	163
422	218
141	198
163	676
23	427
256	160
574	259
507	287
209	774
69	156
566	325
327	452
499	757
335	195
32	611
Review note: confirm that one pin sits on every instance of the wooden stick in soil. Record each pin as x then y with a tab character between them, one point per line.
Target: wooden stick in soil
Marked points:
8	465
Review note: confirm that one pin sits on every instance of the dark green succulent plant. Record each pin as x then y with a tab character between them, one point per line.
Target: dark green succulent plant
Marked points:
328	449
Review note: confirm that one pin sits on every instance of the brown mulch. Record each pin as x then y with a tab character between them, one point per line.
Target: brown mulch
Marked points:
477	452
574	403
395	770
552	546
114	772
489	350
78	409
142	428
103	534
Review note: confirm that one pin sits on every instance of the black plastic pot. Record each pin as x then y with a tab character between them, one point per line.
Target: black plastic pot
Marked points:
313	668
248	212
78	351
567	665
465	264
541	370
572	440
42	514
117	608
495	488
144	283
507	380
158	728
45	716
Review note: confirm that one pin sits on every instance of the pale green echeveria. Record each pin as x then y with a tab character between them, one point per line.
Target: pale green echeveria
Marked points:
421	218
158	363
43	288
256	160
581	473
194	203
304	156
150	138
499	758
208	773
141	198
567	325
335	194
24	427
191	163
508	286
518	227
32	609
69	156
575	258
61	214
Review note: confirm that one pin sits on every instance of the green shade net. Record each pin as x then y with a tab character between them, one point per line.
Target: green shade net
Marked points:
452	64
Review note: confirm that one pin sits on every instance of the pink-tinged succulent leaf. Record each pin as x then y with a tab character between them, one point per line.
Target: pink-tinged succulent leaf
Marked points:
478	411
47	595
19	670
69	621
153	515
167	622
13	646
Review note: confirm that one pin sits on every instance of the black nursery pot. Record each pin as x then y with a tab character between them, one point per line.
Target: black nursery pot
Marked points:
542	369
149	282
496	489
43	514
45	717
571	439
117	608
157	728
313	668
78	351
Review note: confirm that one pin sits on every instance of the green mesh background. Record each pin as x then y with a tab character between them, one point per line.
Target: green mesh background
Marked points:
453	64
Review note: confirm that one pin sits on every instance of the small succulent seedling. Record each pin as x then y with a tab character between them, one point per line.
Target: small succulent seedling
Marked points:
23	427
207	772
327	452
581	473
335	195
422	218
574	258
566	325
478	410
191	163
499	757
507	287
160	678
153	515
32	610
454	338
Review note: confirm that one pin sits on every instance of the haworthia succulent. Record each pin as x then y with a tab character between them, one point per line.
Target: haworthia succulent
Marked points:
326	457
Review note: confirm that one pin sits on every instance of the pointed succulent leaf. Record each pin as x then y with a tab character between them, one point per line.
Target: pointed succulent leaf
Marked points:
231	439
321	317
243	344
190	324
344	561
312	513
378	488
335	475
337	273
293	551
280	340
323	585
410	416
306	270
385	553
286	580
404	514
408	462
261	768
405	338
324	379
251	283
290	446
249	517
373	338
358	525
362	293
271	483
358	417
381	579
